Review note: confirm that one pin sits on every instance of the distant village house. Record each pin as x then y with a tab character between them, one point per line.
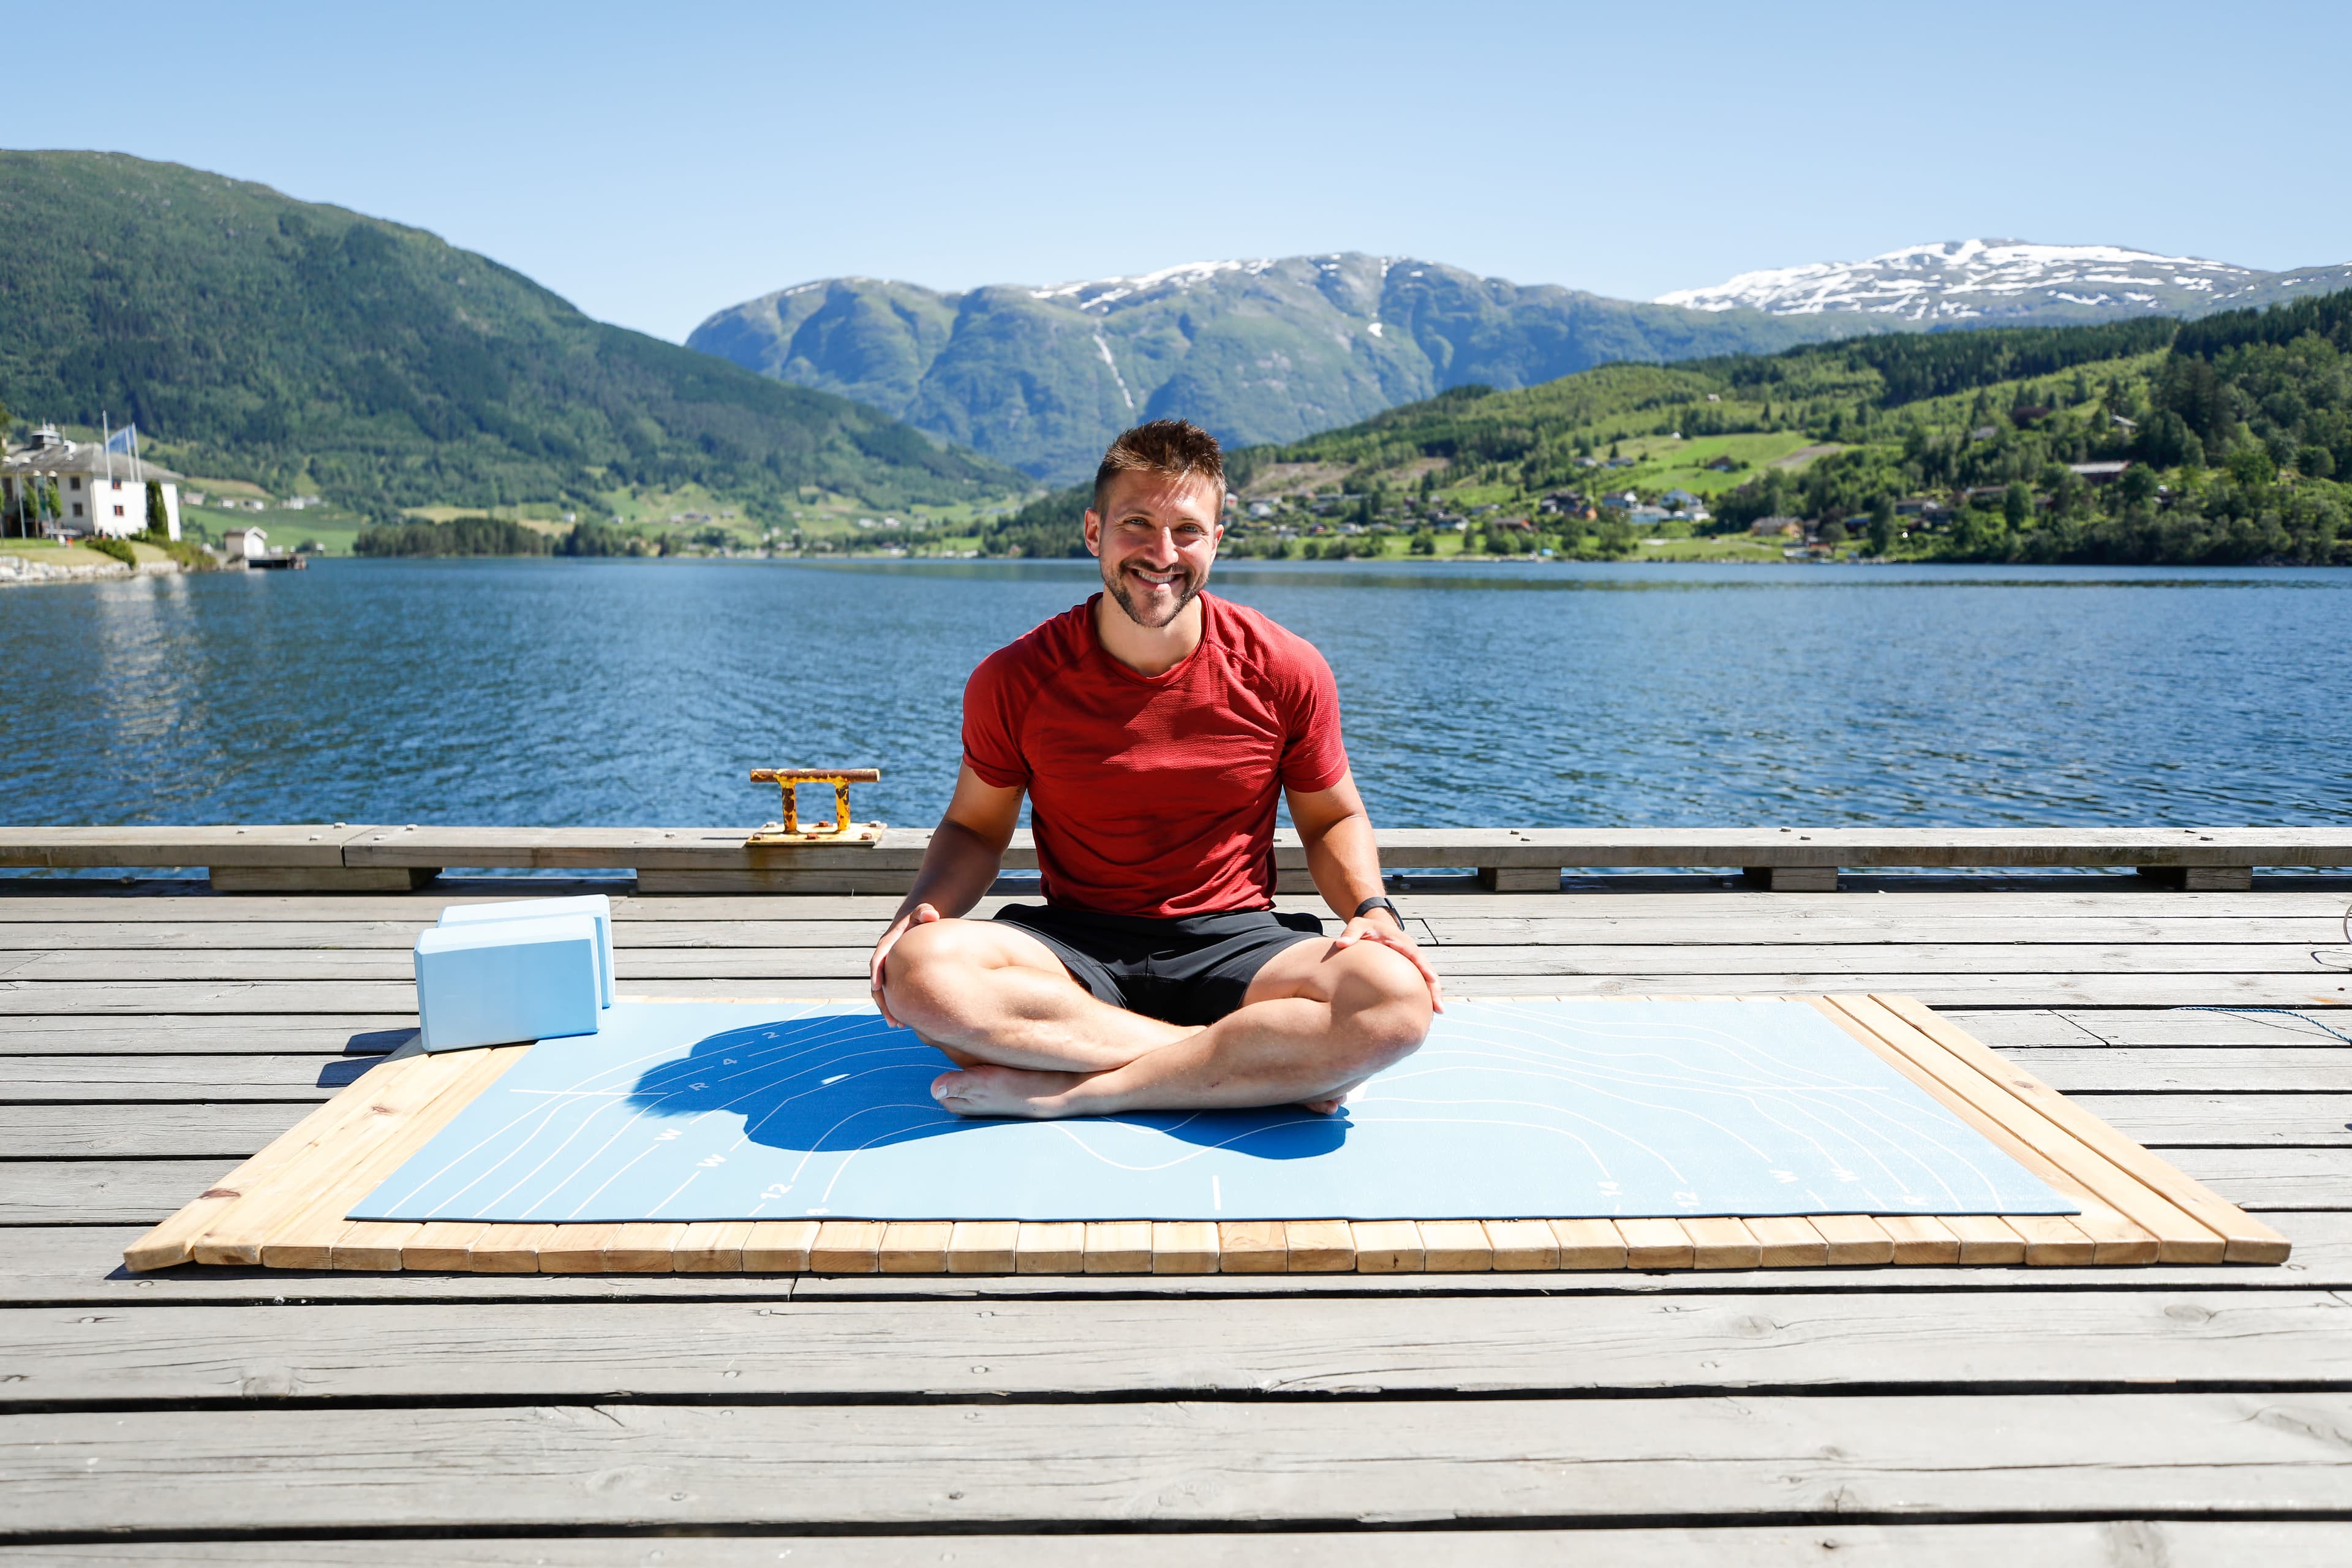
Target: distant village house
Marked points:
78	489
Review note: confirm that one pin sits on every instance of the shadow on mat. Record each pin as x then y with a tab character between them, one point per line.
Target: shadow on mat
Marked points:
839	1083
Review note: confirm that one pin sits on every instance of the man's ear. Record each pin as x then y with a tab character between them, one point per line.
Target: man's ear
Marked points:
1093	533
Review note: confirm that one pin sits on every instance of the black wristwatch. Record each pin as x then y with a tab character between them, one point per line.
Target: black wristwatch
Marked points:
1377	902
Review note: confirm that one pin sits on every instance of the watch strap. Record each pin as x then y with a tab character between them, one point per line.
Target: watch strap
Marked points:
1377	902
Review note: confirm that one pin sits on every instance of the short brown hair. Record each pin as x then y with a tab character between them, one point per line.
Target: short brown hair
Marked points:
1176	447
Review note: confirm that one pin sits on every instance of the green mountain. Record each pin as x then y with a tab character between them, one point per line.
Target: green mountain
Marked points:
293	343
2233	434
1041	378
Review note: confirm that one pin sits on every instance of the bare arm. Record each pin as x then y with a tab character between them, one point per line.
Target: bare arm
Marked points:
965	854
1345	862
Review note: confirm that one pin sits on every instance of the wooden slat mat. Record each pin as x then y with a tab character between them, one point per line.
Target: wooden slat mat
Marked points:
284	1208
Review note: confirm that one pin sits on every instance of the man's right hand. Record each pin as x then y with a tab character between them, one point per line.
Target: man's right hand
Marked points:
920	915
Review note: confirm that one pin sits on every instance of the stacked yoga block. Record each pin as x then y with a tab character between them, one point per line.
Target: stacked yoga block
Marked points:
534	969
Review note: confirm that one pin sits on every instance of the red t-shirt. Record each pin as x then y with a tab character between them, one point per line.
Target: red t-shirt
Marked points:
1154	794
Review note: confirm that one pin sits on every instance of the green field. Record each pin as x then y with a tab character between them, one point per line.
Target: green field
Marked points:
329	526
1665	463
56	555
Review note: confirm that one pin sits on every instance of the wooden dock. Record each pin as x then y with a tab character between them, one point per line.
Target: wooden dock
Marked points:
153	1034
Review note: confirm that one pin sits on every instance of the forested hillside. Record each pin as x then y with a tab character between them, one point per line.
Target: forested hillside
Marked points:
304	346
2233	432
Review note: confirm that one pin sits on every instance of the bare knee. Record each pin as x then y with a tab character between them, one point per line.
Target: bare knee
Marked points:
1381	1008
930	968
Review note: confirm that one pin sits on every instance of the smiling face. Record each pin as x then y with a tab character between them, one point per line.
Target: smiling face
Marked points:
1156	537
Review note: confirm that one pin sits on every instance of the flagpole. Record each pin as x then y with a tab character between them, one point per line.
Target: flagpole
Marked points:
105	444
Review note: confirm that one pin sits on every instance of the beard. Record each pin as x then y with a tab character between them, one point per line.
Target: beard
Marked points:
1182	590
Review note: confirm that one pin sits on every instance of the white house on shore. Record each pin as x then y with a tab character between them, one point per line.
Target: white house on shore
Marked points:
57	488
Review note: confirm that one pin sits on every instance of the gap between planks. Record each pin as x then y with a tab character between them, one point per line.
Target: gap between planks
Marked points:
285	1206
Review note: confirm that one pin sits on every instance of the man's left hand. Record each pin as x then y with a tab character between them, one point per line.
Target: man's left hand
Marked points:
1382	927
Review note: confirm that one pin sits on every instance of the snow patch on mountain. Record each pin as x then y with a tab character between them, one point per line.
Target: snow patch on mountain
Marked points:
1962	279
1102	293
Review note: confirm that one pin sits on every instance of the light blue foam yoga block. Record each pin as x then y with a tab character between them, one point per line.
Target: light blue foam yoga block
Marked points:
593	904
492	982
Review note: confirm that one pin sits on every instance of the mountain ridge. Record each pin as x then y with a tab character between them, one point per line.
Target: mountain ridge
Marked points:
1273	349
1984	282
1261	349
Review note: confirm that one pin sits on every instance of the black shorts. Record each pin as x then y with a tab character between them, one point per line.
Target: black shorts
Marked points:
1194	969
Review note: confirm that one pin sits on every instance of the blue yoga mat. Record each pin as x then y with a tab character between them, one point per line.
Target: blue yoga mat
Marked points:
1534	1109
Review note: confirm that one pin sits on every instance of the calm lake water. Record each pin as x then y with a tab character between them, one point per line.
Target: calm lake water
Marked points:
623	691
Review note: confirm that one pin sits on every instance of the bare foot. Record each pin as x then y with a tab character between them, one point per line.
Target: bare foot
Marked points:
1325	1107
988	1091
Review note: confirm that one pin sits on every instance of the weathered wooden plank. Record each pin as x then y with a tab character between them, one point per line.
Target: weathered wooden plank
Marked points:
61	848
704	1465
1867	922
122	998
210	1080
2194	1023
2188	1069
153	935
1948	958
1695	896
266	1033
685	849
820	1350
49	902
2262	1180
634	965
224	1132
193	903
2175	1120
2175	1543
1864	922
176	998
101	1192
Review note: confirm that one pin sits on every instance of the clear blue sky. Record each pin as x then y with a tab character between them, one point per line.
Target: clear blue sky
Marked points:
655	163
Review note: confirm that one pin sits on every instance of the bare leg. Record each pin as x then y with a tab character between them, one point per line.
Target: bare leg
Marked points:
988	991
1318	1021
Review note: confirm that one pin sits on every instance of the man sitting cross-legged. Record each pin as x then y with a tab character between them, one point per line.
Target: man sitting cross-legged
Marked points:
1151	727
